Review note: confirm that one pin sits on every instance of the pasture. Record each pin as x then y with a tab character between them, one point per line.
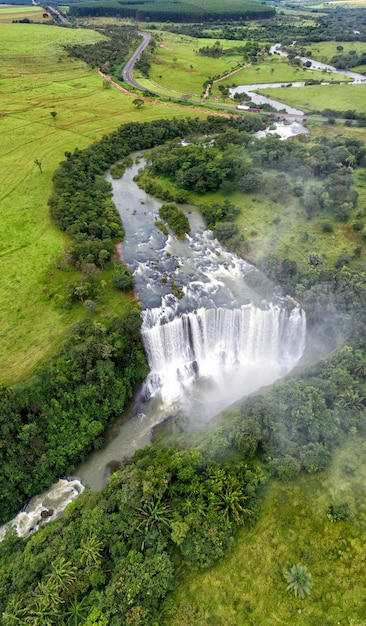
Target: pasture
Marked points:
324	51
177	68
38	78
20	12
249	587
320	97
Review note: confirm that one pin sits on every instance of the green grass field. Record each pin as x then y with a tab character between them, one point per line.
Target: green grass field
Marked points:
177	68
34	13
324	51
36	78
320	97
248	587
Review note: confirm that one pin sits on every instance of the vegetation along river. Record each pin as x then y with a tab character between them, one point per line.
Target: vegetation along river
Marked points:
214	330
278	106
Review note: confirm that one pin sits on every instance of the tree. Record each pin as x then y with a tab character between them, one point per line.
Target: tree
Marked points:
123	278
138	102
39	164
299	580
90	551
53	114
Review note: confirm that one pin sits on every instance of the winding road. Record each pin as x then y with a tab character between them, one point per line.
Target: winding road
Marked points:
127	70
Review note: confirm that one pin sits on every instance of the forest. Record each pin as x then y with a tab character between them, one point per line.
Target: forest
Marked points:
163	11
329	24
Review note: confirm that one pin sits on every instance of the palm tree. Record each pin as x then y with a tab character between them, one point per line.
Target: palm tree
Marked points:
90	551
231	502
63	575
359	368
154	514
299	580
77	611
352	400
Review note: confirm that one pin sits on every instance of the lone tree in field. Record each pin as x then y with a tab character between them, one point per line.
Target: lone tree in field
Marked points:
39	164
299	580
53	114
138	102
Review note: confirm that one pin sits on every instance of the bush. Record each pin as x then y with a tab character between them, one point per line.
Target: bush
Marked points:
339	512
327	227
123	278
176	219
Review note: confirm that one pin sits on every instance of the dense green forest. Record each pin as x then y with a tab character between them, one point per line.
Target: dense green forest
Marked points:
181	11
335	24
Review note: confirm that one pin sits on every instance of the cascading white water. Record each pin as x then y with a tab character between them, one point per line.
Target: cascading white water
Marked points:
233	350
44	508
228	333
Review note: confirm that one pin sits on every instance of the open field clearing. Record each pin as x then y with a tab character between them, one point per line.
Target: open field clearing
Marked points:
37	78
249	587
319	97
177	68
282	228
340	3
8	14
324	51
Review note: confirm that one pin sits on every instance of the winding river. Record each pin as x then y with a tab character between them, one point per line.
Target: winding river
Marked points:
259	100
224	334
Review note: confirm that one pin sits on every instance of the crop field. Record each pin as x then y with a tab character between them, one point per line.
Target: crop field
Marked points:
8	14
293	527
319	97
37	78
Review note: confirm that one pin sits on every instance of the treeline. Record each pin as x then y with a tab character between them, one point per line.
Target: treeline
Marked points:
110	53
349	60
52	420
181	11
333	25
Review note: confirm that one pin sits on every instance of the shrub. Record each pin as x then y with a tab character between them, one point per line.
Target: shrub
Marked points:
340	512
299	580
327	227
123	278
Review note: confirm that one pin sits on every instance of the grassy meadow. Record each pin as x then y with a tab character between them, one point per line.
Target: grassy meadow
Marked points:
33	13
37	78
319	97
248	587
324	50
177	68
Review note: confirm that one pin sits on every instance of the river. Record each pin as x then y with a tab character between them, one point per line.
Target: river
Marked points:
229	334
279	106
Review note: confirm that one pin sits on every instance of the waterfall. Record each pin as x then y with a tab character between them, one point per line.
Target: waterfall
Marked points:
234	351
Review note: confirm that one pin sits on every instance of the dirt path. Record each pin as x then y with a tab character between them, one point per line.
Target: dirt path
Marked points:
166	104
